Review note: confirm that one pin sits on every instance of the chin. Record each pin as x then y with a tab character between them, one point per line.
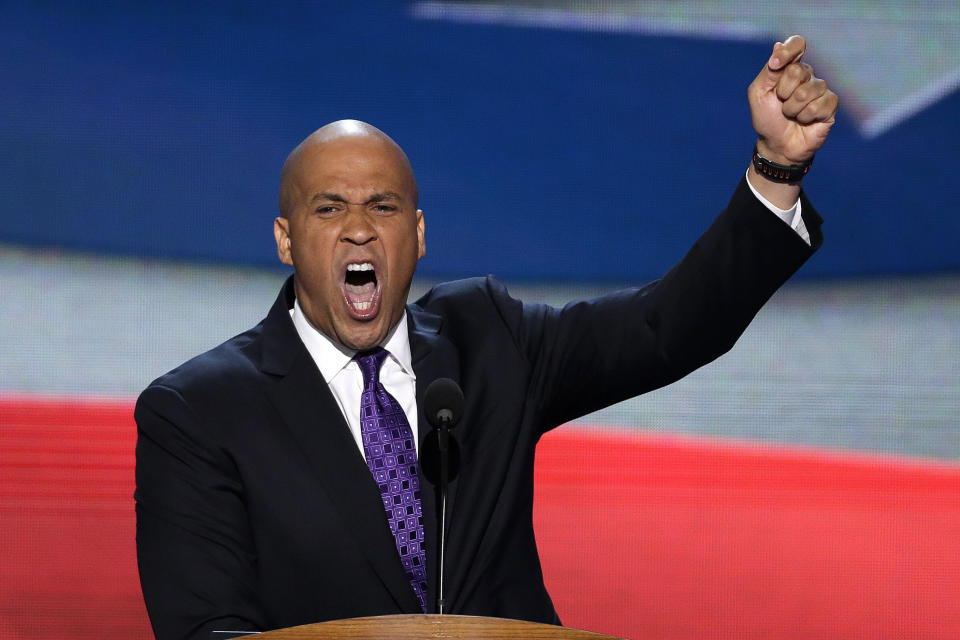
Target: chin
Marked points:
361	339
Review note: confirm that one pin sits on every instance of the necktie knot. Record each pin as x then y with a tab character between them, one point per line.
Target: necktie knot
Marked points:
370	362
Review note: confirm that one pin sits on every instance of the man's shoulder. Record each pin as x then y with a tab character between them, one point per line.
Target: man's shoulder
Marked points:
223	367
468	291
473	310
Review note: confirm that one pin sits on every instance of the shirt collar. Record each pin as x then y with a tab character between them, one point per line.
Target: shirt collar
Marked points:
331	358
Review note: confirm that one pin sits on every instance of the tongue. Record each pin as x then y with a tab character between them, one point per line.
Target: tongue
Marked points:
360	295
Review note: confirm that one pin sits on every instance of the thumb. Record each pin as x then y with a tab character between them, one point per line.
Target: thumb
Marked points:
783	54
770	75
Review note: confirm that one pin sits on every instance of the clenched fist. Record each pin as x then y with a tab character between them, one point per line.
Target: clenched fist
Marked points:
792	109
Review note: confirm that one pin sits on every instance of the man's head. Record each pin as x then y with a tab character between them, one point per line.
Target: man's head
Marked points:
350	227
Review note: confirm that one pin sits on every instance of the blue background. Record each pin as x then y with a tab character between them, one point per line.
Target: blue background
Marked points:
159	130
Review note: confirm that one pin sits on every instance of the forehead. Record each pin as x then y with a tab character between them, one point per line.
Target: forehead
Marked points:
352	167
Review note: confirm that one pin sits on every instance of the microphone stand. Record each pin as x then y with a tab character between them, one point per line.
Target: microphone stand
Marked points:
443	403
443	445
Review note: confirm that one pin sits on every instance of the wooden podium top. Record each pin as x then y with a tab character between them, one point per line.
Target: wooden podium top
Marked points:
421	626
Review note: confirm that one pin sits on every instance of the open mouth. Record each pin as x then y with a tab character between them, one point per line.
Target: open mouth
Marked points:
361	291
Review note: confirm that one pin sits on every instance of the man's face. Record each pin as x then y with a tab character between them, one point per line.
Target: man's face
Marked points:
353	235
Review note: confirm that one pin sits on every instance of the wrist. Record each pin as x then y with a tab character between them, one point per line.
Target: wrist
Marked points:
781	194
773	154
776	170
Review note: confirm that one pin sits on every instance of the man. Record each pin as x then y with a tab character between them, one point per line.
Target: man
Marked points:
277	477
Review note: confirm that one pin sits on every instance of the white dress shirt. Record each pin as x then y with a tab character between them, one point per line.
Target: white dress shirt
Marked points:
791	216
342	373
345	380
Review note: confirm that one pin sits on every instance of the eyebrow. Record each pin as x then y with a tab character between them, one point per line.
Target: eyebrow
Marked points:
336	197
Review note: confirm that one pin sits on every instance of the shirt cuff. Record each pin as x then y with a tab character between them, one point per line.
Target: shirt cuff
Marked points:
791	216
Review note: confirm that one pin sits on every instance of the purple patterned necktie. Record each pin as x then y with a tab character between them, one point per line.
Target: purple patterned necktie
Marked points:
392	459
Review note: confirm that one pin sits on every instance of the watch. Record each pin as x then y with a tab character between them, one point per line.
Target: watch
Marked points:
788	173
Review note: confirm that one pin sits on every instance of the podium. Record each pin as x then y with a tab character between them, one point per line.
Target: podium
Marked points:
423	626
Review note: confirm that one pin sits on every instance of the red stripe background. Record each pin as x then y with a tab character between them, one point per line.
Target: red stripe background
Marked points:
641	536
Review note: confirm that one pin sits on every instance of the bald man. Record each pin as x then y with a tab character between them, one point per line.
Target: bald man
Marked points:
350	228
277	474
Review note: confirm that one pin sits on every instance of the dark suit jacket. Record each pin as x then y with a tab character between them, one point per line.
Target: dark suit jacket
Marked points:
255	508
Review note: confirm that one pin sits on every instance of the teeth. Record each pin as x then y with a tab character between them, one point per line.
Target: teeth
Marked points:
362	306
363	266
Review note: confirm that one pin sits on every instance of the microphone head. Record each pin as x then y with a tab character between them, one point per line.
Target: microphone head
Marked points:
443	402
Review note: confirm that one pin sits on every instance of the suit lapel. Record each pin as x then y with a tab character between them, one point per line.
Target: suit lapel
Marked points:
310	412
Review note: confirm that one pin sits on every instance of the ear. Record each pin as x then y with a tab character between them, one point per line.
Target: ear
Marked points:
421	240
281	233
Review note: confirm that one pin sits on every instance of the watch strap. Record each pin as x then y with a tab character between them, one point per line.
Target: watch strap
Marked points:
787	173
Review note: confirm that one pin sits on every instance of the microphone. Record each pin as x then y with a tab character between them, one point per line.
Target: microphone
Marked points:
443	402
443	406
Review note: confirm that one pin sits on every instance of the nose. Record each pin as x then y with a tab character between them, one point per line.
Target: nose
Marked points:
357	227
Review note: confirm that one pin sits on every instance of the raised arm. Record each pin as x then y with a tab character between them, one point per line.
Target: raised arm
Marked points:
594	353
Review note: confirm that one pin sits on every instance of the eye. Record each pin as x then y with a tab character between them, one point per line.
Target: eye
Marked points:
384	208
327	210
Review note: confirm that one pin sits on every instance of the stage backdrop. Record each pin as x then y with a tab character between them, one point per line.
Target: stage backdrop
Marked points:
805	485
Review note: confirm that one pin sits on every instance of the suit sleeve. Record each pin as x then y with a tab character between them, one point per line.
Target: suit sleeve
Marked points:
594	353
194	548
